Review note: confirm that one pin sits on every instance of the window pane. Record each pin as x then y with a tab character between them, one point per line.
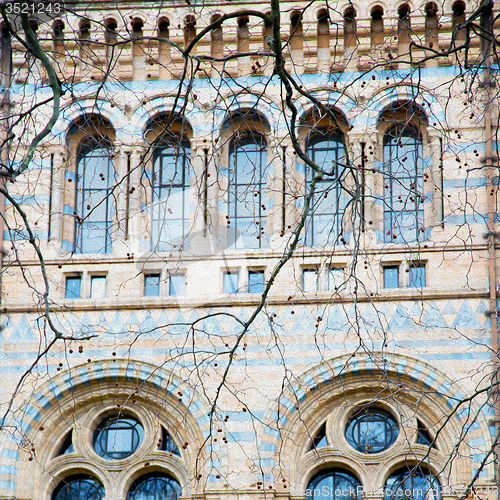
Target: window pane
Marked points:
324	223
94	182
79	488
256	282
417	276
391	277
310	280
230	284
334	484
98	287
154	486
247	196
408	484
73	285
170	206
403	187
151	285
177	284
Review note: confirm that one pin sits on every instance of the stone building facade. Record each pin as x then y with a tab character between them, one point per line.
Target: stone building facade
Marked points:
165	198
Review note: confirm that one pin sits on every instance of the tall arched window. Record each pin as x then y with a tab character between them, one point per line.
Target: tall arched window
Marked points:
326	217
94	183
333	484
170	209
155	486
403	186
247	191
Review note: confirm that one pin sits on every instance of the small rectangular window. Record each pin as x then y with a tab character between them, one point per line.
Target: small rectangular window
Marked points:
98	287
336	278
417	275
177	284
256	282
230	284
151	285
391	276
310	280
73	287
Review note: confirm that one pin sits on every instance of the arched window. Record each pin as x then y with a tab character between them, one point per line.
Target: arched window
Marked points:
325	220
412	484
403	186
404	26
377	26
79	488
154	486
334	484
94	183
247	191
458	20
5	56
431	25
170	209
350	37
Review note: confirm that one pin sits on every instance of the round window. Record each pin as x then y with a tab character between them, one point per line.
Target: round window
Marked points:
118	438
79	488
371	430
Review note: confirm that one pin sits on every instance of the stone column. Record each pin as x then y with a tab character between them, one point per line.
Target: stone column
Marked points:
122	228
433	183
57	198
136	220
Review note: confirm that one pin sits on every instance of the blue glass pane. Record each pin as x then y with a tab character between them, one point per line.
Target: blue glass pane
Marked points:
256	282
417	276
94	182
247	196
170	206
151	285
391	277
73	285
371	431
319	440
230	284
118	438
177	284
334	485
412	484
167	443
79	488
324	223
403	187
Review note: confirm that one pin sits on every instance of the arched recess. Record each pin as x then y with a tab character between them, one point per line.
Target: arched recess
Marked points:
426	100
87	107
414	392
79	400
149	110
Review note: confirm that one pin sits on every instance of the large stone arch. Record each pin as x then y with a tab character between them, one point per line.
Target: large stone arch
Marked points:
304	404
95	387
